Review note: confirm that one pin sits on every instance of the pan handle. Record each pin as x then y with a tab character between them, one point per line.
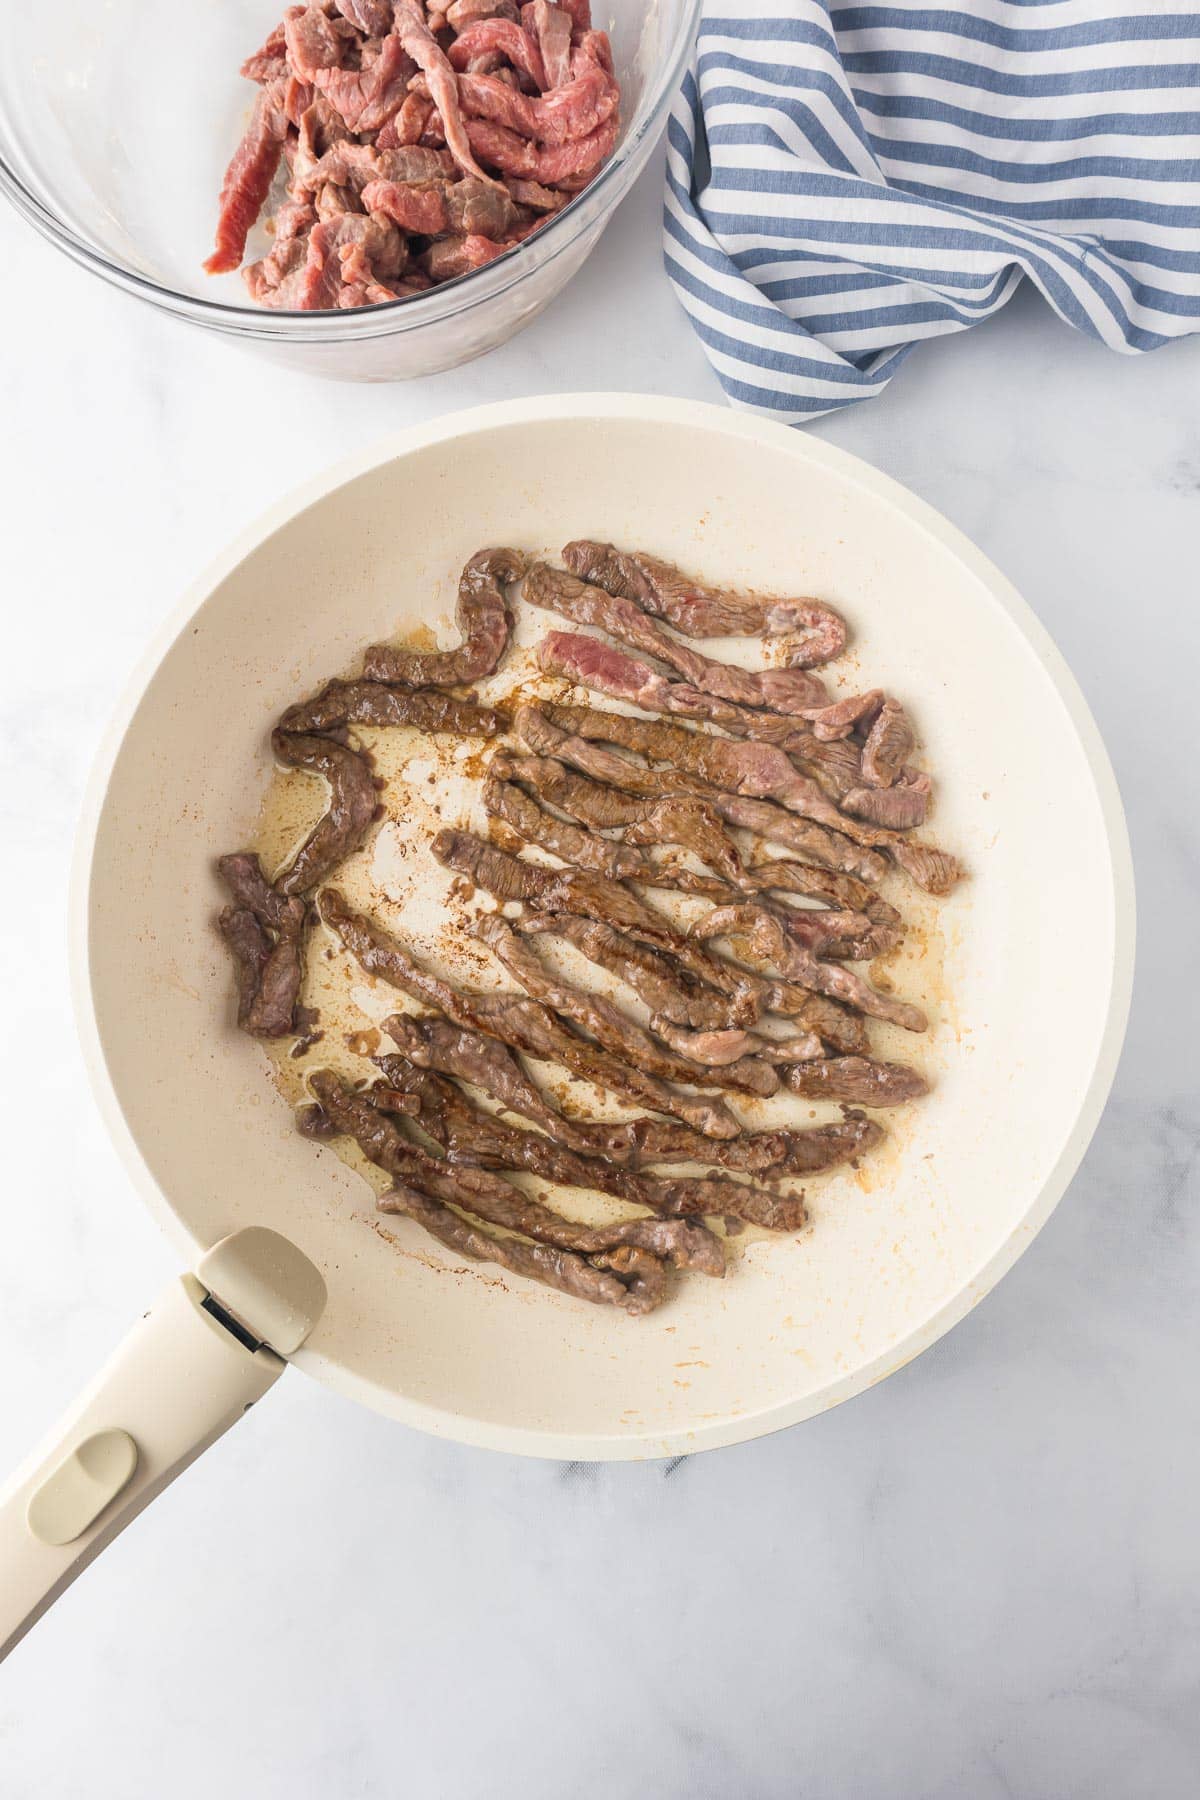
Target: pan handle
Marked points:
210	1346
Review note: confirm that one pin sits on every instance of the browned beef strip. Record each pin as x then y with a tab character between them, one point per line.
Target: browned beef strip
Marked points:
427	53
264	929
489	1197
701	611
897	808
779	690
539	730
483	619
669	990
353	800
503	800
888	746
587	661
521	1023
554	890
373	703
759	771
771	941
472	1057
609	1025
740	997
448	1049
468	1134
679	819
856	1079
630	1278
354	1116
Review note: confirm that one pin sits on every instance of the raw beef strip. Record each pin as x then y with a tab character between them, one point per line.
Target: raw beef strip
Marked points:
248	178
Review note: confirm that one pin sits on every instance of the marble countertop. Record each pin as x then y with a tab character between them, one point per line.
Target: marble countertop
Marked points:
978	1579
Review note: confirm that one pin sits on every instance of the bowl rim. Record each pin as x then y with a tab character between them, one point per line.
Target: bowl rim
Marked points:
741	428
411	311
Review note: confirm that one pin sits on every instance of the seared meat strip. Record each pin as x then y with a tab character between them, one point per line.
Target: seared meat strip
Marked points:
670	991
469	1056
521	1023
682	819
353	801
264	929
609	1025
373	703
897	808
566	890
539	731
888	746
856	1079
589	662
760	771
354	1116
779	690
489	1065
494	1200
502	800
468	1134
701	611
632	1279
774	944
482	617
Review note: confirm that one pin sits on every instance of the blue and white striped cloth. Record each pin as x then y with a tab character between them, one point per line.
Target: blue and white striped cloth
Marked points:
845	180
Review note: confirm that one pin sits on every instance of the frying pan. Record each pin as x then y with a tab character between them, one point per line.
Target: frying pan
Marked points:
1028	1016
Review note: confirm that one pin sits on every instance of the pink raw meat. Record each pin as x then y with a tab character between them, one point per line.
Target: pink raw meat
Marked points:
552	28
502	36
429	56
248	179
559	117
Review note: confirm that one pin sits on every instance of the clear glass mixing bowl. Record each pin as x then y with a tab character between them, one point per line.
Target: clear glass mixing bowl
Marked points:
117	118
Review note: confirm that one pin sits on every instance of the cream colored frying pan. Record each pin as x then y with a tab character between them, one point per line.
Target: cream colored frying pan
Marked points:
1028	1018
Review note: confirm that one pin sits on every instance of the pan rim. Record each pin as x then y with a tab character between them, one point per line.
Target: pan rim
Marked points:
701	416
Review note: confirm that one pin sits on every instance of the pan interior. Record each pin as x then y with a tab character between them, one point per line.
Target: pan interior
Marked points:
1024	1014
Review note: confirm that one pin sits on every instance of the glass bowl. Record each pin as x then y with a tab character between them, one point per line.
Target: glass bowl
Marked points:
114	135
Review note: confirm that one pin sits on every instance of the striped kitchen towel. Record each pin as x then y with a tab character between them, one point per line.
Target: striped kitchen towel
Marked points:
843	181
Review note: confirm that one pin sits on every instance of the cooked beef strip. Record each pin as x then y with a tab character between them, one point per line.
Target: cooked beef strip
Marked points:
779	690
521	1023
896	808
682	819
702	611
497	1201
776	945
374	703
856	1079
264	929
888	745
539	731
838	718
629	1278
566	890
503	800
587	661
468	1134
609	1025
670	991
353	801
760	771
482	617
437	1045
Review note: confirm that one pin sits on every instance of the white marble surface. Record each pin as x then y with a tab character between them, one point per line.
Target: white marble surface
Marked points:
979	1579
